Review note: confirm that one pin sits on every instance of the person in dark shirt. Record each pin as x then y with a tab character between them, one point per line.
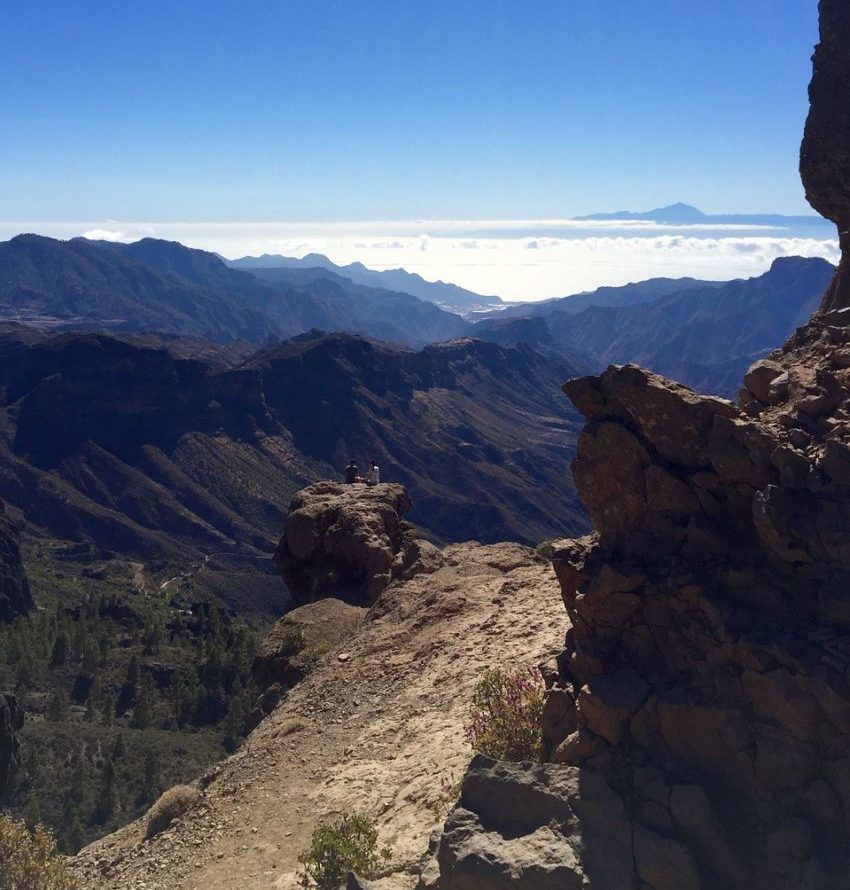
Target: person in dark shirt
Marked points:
352	473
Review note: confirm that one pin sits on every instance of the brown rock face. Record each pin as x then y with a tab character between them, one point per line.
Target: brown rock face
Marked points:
349	542
825	153
709	652
15	597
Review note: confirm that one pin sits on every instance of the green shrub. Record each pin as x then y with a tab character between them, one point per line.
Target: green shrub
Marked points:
29	860
349	844
172	804
506	712
545	549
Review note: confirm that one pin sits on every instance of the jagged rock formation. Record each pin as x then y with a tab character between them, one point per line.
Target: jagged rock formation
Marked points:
15	596
705	677
349	542
11	721
825	153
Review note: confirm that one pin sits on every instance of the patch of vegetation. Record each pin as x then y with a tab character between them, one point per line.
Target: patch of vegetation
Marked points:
349	844
127	690
170	806
29	859
506	710
545	549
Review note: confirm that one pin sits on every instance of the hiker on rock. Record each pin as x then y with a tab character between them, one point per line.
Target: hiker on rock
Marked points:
352	473
373	477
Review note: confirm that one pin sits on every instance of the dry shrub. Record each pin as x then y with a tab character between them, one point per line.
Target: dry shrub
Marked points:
506	711
29	859
171	805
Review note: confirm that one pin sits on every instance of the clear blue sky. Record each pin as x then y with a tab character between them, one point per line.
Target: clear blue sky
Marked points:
368	109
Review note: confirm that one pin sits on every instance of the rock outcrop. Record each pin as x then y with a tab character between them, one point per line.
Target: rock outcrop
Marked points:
11	721
706	675
15	596
825	153
295	645
349	542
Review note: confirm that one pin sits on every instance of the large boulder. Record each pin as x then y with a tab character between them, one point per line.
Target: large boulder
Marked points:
15	596
349	542
534	827
292	647
11	722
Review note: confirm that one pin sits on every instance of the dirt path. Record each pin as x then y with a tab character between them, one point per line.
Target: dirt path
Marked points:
376	734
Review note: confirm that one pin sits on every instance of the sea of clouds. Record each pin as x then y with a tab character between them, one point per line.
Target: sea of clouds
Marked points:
516	259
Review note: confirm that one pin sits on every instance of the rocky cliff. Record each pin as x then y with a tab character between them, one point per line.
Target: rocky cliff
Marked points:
825	153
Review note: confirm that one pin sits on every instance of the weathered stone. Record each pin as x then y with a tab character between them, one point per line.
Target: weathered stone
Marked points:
349	542
528	826
760	377
664	864
825	152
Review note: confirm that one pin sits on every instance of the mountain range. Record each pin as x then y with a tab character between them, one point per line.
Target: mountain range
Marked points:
448	296
162	286
166	455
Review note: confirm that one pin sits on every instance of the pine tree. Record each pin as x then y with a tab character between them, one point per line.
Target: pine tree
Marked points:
106	800
59	655
57	707
151	776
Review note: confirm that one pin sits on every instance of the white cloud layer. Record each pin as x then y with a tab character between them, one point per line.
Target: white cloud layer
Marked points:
516	259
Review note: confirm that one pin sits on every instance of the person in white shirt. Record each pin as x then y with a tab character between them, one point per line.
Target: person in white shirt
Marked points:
373	477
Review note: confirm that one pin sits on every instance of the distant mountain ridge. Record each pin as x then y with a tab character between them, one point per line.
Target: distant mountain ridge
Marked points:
686	214
164	286
450	297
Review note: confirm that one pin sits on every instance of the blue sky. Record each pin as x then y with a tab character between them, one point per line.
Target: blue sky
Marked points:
372	110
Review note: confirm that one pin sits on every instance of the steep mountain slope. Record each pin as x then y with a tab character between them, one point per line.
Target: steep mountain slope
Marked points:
466	425
625	295
448	296
170	459
705	335
378	732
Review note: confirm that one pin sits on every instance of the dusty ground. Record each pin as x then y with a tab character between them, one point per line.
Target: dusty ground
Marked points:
378	733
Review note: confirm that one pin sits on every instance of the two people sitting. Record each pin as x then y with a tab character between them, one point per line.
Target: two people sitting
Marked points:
372	477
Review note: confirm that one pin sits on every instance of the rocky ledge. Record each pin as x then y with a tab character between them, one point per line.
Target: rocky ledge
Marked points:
349	542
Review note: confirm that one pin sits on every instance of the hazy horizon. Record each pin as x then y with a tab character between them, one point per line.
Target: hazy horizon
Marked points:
514	259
